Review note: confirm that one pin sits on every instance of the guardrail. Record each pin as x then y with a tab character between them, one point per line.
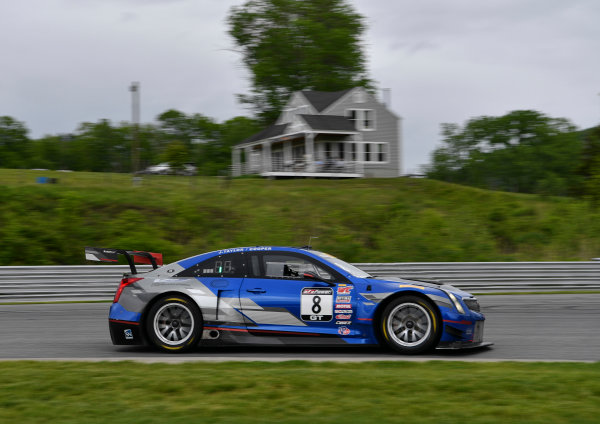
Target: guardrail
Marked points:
486	277
98	282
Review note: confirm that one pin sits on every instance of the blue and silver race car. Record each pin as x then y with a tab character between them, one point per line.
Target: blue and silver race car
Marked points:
283	295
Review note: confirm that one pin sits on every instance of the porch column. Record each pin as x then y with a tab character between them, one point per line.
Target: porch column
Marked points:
309	143
236	170
360	155
266	156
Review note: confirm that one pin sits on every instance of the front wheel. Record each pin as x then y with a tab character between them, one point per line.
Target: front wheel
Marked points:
174	324
410	325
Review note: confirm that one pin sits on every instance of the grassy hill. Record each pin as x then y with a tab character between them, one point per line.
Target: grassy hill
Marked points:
366	220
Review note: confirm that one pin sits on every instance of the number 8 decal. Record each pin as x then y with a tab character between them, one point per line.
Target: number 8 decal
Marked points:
316	304
316	307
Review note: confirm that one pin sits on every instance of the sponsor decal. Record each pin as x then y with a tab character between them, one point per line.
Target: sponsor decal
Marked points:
128	334
317	290
244	249
343	299
343	311
316	304
343	322
343	306
344	331
344	289
343	316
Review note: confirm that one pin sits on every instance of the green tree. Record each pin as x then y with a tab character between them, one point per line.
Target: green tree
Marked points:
291	45
214	156
189	129
176	155
522	151
101	147
14	143
590	163
47	152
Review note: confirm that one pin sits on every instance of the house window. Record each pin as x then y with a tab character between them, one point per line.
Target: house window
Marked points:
381	154
375	152
298	152
363	119
368	123
352	116
334	151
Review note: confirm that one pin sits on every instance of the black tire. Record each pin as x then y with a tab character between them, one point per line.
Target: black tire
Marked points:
410	325
174	324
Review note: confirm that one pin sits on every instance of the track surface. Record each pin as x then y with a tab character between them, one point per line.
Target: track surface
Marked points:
527	327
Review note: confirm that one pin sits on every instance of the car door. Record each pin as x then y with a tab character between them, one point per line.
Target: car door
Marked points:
293	294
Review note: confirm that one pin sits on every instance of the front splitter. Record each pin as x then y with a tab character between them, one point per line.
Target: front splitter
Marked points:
463	345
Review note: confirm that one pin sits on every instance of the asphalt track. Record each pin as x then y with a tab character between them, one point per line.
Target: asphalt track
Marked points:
523	328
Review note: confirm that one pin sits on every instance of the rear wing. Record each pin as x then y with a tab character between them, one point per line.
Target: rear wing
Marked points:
132	256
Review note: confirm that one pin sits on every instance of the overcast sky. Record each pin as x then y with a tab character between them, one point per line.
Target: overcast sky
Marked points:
64	62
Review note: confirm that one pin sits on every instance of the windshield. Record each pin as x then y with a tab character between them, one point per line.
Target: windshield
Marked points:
351	269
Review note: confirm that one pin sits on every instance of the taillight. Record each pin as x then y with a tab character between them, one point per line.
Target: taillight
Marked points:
124	283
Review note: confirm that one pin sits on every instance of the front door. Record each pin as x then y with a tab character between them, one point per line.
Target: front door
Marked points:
288	293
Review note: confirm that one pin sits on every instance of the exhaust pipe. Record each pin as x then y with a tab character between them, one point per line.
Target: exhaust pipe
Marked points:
211	334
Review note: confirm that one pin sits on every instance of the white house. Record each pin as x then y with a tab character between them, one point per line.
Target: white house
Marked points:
343	134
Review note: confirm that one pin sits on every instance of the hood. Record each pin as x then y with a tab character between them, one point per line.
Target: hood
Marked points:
433	284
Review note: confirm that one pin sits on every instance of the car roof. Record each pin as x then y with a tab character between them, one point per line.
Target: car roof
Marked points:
193	260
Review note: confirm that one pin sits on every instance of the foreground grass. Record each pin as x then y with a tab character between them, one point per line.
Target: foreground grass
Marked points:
299	392
361	220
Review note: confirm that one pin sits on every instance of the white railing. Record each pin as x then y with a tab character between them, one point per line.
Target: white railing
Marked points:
302	166
97	282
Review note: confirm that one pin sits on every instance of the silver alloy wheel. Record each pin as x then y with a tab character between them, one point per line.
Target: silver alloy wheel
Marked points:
409	324
173	323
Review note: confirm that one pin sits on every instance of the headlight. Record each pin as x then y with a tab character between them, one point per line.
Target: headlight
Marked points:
456	303
472	303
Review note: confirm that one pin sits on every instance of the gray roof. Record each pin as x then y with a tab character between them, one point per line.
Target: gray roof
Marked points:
329	123
271	131
321	99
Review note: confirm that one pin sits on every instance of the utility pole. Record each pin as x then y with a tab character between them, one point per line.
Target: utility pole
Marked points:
135	121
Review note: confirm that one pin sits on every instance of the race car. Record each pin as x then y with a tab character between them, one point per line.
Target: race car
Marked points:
283	295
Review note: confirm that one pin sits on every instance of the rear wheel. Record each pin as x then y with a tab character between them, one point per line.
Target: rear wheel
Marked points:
410	325
174	324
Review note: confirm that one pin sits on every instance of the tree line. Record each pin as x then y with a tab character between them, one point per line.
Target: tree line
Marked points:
287	45
176	138
524	151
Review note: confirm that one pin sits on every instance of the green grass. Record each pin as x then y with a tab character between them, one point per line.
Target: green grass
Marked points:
361	220
299	392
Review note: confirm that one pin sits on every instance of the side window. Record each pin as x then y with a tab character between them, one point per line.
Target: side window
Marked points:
291	267
229	265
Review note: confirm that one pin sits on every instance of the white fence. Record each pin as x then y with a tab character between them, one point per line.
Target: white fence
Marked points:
48	283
